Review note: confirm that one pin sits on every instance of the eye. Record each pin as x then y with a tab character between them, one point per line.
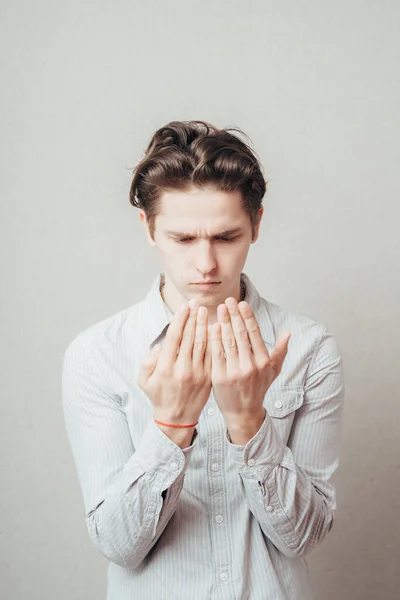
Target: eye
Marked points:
222	238
184	240
225	239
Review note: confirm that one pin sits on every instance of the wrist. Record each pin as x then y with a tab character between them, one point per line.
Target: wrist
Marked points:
243	428
176	425
182	437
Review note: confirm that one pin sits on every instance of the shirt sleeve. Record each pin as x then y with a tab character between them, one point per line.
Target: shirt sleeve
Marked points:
129	493
289	488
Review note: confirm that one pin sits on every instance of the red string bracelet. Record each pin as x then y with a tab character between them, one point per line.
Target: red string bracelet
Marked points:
174	425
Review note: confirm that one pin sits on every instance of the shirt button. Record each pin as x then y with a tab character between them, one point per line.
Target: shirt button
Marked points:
269	508
219	519
215	467
224	577
174	466
278	404
211	412
251	462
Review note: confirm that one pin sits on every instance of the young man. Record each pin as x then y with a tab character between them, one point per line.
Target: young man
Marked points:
204	441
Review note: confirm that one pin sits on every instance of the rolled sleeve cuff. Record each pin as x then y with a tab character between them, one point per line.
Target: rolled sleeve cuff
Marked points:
261	454
158	454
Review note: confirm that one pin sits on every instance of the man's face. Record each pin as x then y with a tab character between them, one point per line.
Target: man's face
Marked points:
203	237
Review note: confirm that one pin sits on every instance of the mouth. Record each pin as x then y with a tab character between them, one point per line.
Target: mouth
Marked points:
205	284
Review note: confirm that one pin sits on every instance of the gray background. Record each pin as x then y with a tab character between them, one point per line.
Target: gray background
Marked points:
84	84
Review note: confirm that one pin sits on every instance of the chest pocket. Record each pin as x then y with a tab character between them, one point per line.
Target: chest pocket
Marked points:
281	404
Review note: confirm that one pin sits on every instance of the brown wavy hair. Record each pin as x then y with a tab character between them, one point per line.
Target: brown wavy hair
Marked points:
183	154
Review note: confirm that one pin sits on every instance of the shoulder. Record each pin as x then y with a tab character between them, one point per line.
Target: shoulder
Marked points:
301	326
107	335
282	316
311	347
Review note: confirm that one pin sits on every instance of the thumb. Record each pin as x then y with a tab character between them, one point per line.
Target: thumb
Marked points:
148	365
279	353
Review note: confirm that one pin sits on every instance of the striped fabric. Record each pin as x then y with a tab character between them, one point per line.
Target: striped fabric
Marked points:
214	521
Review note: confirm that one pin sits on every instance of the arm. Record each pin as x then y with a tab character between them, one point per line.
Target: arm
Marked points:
129	493
288	488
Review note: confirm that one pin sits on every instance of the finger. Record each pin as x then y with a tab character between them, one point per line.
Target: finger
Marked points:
148	366
280	351
186	346
208	359
173	338
200	340
253	331
228	338
218	362
239	329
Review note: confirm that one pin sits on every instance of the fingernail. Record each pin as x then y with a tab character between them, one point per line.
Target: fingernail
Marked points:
193	303
230	302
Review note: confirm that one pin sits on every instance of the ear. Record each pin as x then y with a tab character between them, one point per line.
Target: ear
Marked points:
257	225
143	218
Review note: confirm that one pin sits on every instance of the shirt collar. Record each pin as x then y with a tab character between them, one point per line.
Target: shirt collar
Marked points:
260	309
158	315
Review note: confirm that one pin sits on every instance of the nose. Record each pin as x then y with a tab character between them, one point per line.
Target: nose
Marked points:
205	259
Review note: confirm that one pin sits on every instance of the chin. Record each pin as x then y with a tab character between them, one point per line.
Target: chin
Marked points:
209	302
209	298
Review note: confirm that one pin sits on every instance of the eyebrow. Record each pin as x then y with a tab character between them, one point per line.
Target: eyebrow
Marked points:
226	232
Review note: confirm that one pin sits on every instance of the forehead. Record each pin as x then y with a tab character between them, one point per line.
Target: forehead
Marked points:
202	207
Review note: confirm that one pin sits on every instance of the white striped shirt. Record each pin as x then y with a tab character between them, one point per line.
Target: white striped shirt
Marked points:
215	520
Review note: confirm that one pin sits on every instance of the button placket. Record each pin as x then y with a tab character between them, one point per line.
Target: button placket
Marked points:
217	487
